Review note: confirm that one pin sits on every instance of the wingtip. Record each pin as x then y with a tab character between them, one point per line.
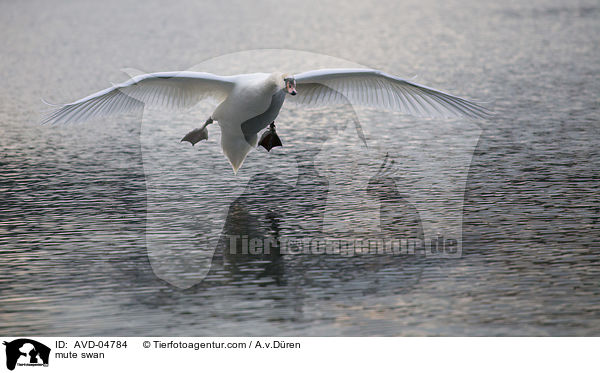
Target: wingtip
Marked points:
50	117
46	120
484	112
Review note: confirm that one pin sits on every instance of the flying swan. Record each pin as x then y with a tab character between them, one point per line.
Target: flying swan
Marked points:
248	103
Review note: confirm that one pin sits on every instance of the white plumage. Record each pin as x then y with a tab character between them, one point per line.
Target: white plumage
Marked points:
250	102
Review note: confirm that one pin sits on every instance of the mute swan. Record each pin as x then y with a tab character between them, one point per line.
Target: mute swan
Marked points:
251	102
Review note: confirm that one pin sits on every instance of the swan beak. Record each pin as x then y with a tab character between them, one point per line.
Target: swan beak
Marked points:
290	86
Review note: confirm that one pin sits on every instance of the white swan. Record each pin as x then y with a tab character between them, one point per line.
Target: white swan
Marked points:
251	102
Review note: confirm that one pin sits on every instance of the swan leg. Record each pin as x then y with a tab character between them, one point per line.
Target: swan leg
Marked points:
198	134
269	138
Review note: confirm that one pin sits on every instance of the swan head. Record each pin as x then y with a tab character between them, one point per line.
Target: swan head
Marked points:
290	84
285	82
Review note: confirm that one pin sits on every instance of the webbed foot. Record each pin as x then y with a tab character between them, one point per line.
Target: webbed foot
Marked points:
196	135
269	138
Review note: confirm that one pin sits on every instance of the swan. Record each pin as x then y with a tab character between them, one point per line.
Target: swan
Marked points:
249	103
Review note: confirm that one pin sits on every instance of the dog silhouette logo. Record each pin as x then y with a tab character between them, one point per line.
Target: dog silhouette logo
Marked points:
26	352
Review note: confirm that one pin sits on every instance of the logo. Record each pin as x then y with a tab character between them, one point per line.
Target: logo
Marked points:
328	186
26	352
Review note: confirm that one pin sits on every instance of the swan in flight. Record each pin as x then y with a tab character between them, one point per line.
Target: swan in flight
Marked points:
249	103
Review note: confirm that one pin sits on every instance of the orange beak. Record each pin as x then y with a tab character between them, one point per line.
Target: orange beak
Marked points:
291	88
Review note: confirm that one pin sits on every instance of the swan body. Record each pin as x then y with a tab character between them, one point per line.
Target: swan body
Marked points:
248	103
249	99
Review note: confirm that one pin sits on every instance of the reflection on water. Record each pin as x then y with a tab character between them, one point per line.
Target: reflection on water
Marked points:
265	212
267	264
73	203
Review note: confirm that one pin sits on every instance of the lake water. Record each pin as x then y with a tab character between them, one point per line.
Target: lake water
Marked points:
88	213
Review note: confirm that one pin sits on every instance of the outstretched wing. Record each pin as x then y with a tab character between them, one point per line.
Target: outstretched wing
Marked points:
375	88
171	90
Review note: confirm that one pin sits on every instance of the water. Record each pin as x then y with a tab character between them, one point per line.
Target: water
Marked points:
73	250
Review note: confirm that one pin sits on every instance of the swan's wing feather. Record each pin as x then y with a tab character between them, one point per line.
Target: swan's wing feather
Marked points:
375	88
170	90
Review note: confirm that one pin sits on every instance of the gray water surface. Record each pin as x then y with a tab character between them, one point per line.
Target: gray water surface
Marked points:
73	200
